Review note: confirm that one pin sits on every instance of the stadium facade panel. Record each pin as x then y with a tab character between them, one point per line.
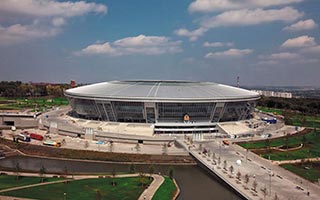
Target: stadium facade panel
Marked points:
172	106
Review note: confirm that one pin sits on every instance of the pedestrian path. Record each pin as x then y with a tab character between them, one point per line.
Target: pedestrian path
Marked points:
153	187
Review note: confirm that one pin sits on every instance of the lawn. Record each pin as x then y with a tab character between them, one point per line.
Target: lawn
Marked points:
309	170
311	149
294	118
7	181
100	188
166	191
24	103
270	110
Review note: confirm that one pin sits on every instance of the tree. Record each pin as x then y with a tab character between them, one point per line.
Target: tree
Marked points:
200	147
18	170
225	164
138	148
219	160
213	156
231	169
164	149
170	172
246	179
254	185
113	173
111	146
267	141
264	192
65	171
142	179
132	168
86	144
151	170
42	171
239	175
98	195
304	140
275	197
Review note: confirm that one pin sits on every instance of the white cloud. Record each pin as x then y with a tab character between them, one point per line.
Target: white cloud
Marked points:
243	17
218	5
58	21
299	42
301	25
231	53
50	8
146	45
19	33
312	50
192	35
218	44
283	56
31	19
252	17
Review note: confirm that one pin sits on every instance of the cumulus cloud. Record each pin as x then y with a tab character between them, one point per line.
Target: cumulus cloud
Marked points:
252	17
219	5
283	56
244	17
192	35
58	21
217	44
231	53
299	42
50	8
19	33
141	44
312	50
32	19
302	25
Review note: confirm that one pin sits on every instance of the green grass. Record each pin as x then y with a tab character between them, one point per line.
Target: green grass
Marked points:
7	181
304	120
309	171
295	119
310	150
166	191
126	189
270	110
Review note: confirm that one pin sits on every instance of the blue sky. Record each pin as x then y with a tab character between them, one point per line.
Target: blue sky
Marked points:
274	42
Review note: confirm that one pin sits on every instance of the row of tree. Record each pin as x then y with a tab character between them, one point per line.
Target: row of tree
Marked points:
303	105
19	89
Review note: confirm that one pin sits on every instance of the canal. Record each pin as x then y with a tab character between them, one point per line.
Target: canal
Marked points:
194	182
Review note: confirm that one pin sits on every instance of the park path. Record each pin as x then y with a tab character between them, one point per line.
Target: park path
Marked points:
295	161
32	185
148	193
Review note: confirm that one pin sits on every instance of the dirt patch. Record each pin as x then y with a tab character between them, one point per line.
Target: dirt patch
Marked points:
38	150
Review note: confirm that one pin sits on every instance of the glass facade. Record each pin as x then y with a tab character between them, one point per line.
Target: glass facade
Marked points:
175	112
124	111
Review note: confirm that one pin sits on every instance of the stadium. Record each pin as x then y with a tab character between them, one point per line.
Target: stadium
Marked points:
168	106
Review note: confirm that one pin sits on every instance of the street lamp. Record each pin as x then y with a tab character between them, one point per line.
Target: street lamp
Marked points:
65	196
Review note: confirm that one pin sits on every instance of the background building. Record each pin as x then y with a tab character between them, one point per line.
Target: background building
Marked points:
171	106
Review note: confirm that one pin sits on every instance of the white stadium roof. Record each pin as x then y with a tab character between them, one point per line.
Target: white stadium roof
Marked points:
161	91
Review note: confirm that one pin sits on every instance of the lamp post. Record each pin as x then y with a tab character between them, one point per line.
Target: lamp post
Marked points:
65	196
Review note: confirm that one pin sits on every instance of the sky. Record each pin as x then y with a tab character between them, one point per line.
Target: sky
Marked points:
272	43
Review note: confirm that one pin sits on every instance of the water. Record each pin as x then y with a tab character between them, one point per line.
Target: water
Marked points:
194	182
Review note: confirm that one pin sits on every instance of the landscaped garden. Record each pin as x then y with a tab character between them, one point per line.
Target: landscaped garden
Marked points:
166	191
307	170
99	188
279	148
9	181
